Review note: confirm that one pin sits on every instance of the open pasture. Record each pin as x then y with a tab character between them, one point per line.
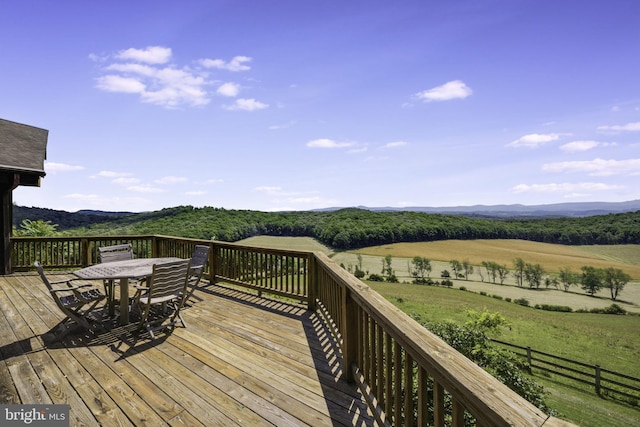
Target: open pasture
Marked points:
551	256
287	243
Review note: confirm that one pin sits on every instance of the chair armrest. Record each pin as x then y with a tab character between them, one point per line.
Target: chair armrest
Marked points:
70	288
141	288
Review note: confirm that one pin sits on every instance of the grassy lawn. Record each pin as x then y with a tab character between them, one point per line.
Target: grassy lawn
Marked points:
613	342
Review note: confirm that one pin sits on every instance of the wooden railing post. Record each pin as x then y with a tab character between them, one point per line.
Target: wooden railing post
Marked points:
85	252
350	338
214	262
598	373
155	249
312	283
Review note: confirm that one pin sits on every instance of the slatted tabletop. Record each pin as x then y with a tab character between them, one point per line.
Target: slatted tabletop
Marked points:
242	360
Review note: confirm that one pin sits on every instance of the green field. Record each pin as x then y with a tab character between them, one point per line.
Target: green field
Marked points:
613	342
551	257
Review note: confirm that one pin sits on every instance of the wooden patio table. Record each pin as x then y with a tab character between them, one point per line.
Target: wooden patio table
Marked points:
123	271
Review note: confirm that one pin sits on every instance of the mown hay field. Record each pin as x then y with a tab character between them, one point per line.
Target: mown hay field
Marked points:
552	257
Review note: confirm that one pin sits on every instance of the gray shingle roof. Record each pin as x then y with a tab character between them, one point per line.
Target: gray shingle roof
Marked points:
23	148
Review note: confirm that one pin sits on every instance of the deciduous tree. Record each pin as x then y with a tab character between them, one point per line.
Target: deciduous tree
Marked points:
519	265
615	279
591	280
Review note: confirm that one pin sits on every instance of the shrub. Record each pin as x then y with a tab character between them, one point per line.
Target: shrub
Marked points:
392	278
463	288
483	293
446	282
612	309
472	341
548	307
496	297
507	299
358	273
522	301
423	281
615	309
376	277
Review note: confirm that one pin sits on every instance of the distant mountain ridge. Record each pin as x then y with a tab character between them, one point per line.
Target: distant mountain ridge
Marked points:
66	220
572	209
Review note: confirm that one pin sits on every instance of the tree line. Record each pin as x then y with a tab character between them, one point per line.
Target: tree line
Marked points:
349	228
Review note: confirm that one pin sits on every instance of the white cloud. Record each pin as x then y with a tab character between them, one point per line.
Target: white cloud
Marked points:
271	190
171	180
145	189
282	126
629	127
126	181
534	140
149	74
150	55
247	105
565	187
141	69
236	64
112	174
597	167
228	89
60	167
114	83
82	197
214	181
395	144
328	143
455	89
584	145
358	150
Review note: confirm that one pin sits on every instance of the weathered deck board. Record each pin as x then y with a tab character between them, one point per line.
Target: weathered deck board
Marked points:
242	360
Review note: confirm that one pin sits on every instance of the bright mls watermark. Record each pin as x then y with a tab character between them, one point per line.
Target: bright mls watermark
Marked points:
36	415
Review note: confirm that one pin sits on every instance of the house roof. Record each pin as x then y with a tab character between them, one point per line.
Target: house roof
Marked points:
23	149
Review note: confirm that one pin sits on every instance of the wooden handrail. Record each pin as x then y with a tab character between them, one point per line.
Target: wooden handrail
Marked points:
411	375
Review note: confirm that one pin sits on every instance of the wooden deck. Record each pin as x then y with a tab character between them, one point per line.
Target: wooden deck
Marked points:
242	360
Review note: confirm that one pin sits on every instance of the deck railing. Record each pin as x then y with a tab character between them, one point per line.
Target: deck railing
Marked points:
409	376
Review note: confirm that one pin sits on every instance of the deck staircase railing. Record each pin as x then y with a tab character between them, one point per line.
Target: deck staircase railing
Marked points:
408	375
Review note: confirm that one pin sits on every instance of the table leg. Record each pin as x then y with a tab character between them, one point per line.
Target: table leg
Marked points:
111	297
124	301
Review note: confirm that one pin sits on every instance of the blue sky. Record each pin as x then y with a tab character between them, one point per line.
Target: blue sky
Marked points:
297	105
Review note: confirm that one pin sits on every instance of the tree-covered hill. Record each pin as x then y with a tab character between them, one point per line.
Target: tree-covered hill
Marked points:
353	228
64	220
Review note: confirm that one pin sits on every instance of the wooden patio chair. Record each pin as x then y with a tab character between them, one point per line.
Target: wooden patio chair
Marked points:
199	261
75	303
163	296
113	253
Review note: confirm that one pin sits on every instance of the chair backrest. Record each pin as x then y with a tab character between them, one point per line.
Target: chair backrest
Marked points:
115	253
54	292
43	276
169	279
200	257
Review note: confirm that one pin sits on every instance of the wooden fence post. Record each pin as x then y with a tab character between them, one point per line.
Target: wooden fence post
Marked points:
598	390
529	359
